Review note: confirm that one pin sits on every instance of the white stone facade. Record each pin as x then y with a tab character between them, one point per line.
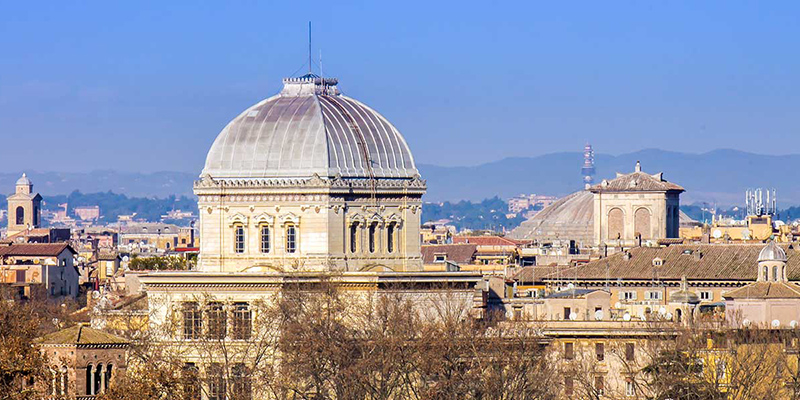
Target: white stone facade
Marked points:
325	214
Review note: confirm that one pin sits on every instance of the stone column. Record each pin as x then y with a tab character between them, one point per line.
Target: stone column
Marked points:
102	378
92	369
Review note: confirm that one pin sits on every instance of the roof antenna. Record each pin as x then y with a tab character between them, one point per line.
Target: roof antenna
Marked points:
309	47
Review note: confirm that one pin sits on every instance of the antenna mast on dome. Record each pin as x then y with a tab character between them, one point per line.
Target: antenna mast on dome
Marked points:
309	47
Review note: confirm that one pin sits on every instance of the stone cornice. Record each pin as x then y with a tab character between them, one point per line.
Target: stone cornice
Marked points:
221	280
313	184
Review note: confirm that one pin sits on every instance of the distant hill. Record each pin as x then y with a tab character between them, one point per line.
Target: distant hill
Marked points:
718	176
157	184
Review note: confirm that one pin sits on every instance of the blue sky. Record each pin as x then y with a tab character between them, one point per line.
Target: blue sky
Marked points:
146	86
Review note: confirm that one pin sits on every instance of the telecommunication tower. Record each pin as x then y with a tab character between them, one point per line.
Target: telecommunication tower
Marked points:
588	165
761	202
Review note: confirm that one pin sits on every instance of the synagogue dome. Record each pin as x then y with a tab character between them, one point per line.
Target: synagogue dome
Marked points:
309	128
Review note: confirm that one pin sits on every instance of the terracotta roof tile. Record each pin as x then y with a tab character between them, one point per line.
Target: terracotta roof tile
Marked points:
485	240
636	182
35	249
715	262
457	253
81	334
765	290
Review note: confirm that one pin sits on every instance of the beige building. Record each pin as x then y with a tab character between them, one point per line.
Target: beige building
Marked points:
24	208
771	301
627	211
147	237
305	188
32	267
634	208
309	180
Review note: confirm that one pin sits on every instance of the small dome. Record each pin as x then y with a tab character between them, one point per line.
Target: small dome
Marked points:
772	252
684	296
24	180
309	128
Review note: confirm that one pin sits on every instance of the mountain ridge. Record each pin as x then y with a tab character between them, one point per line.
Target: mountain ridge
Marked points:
717	176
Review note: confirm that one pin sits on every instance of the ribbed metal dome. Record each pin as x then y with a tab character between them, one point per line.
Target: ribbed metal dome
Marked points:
309	128
772	252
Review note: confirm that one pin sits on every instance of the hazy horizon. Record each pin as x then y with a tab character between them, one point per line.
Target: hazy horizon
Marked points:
147	86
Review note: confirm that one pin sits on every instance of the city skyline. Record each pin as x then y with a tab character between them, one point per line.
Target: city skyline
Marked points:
147	88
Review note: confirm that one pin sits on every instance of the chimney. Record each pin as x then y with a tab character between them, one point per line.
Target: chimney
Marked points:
698	255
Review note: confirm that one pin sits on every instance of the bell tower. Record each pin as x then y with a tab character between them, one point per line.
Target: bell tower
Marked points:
24	207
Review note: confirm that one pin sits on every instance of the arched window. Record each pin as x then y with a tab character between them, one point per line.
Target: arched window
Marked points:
774	272
390	238
641	223
20	215
372	228
89	380
265	243
238	238
766	273
354	237
291	238
98	378
615	223
107	378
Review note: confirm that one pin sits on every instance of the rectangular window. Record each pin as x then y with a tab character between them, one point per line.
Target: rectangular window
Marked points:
598	385
291	239
216	382
567	312
600	351
238	239
569	386
439	258
630	352
20	275
217	321
706	296
630	388
242	385
390	238
628	295
265	239
653	295
569	351
192	321
242	321
721	370
190	382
